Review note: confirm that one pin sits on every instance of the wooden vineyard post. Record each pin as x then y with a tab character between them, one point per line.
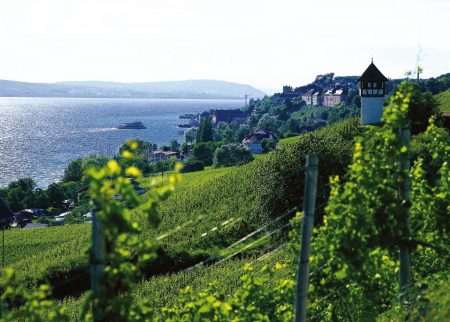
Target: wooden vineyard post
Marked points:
309	204
405	274
97	265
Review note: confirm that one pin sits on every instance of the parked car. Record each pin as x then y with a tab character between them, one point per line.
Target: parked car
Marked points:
23	215
60	218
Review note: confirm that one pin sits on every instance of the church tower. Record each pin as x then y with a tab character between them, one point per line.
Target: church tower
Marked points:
372	89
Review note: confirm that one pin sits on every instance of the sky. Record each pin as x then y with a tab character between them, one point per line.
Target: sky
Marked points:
266	44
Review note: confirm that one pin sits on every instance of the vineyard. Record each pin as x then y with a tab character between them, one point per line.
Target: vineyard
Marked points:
444	100
244	197
221	235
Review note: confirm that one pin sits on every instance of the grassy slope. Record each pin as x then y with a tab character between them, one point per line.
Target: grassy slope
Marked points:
164	290
250	194
37	254
444	100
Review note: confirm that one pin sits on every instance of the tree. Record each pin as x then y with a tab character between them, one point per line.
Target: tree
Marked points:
40	199
184	148
164	147
242	132
192	165
421	108
70	189
205	131
74	171
190	135
268	145
55	193
205	152
356	101
174	145
269	122
231	154
20	194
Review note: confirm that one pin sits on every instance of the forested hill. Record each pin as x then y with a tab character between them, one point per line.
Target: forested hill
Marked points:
200	89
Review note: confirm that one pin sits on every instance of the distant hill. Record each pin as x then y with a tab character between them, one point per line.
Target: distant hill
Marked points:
211	89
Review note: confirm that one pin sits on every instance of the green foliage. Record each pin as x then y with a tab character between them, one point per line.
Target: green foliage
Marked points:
436	85
19	194
231	154
205	131
422	107
73	171
121	240
190	136
268	145
174	145
35	305
253	301
355	250
37	255
245	197
204	151
55	194
269	123
444	101
192	165
121	235
70	189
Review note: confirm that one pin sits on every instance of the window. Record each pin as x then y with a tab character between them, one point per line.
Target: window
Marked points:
375	85
370	85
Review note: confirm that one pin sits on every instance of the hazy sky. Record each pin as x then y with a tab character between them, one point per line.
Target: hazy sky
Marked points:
262	43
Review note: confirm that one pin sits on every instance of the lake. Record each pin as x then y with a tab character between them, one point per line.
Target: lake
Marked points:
40	136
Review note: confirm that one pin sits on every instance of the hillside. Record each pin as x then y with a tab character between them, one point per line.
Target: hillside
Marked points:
444	101
213	209
200	89
209	213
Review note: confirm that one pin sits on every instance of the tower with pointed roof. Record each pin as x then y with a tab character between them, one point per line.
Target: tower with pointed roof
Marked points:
372	89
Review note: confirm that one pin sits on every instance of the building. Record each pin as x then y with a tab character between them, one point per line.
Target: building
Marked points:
253	141
156	156
335	96
372	89
312	97
228	116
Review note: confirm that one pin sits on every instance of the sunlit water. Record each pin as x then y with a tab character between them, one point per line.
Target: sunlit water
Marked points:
39	136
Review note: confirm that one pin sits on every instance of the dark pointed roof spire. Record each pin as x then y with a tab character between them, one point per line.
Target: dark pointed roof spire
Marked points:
372	73
5	212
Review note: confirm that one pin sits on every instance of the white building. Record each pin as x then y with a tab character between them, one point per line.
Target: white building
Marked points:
372	89
253	141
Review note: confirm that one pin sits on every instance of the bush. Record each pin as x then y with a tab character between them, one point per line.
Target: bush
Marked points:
231	154
204	151
192	165
268	145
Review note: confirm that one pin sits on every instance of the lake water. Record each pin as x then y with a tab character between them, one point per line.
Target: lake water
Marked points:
40	136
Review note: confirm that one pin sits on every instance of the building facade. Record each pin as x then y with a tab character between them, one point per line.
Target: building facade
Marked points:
253	141
312	97
372	89
335	96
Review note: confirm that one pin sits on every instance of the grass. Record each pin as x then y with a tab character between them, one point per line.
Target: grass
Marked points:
163	291
209	211
444	100
38	254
